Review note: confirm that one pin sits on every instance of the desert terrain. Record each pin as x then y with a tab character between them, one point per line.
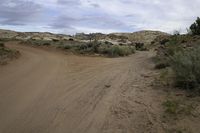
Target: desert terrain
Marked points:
48	91
96	83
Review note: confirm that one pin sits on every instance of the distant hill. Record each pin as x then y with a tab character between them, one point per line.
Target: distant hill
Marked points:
145	37
8	34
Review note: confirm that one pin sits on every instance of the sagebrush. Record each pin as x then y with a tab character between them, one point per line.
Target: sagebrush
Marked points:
186	67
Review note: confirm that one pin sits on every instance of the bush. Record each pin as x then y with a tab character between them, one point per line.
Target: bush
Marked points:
116	50
91	47
172	46
104	48
139	46
186	68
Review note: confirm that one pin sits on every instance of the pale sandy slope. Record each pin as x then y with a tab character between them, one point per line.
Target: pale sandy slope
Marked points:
50	92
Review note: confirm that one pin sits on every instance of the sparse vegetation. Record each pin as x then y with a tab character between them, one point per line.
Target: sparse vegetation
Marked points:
106	49
7	54
39	42
182	54
172	45
171	107
93	47
175	108
179	58
184	63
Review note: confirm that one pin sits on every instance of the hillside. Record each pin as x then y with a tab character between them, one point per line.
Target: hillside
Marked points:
145	36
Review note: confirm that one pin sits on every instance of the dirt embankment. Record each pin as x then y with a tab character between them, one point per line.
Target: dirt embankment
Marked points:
49	92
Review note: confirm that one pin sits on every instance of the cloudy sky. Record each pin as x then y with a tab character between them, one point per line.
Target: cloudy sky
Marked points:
72	16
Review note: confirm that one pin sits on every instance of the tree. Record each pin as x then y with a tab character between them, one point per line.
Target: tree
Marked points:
195	27
176	33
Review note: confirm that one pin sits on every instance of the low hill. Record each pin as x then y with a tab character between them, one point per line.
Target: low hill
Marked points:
145	37
142	37
7	34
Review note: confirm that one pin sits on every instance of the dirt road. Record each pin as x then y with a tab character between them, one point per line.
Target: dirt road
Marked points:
50	92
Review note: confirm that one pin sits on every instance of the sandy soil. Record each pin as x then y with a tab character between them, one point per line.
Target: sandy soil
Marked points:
50	92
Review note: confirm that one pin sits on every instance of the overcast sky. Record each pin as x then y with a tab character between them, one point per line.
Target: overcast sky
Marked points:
72	16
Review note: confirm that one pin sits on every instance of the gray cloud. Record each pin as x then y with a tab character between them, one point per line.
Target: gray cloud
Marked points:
18	12
95	5
97	15
91	21
69	2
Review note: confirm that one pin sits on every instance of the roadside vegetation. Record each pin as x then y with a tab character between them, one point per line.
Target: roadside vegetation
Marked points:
88	48
178	59
181	54
7	54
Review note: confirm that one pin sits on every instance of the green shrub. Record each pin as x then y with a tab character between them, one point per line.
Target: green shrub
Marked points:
139	46
116	50
167	52
173	46
186	68
108	43
104	48
175	107
91	47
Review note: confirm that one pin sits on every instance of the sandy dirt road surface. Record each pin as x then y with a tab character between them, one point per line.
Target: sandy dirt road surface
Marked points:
50	92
